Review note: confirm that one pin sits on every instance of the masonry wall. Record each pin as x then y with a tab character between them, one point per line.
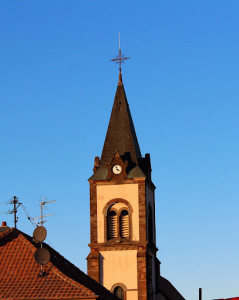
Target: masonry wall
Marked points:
106	193
120	267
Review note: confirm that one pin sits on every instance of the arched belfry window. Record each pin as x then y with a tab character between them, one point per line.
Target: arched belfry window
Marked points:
119	292
118	221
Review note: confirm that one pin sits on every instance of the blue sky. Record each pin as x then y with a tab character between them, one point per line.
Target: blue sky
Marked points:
57	86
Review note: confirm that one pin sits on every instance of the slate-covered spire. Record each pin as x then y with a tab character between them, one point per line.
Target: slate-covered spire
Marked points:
121	134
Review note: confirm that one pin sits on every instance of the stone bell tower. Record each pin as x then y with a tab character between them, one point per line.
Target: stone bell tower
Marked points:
122	211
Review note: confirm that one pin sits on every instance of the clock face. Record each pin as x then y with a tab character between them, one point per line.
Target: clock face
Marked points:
117	169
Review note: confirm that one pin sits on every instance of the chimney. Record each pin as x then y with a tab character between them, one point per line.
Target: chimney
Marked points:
3	227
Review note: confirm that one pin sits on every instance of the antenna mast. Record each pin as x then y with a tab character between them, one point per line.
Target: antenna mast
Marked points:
16	204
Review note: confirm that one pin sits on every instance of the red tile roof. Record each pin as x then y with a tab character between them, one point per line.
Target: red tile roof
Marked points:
19	276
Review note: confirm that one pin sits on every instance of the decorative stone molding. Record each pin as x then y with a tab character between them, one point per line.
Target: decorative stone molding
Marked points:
118	284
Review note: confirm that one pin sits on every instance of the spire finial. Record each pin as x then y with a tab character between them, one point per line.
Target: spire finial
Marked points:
119	40
119	59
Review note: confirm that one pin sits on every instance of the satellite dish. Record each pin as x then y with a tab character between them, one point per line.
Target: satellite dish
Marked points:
39	234
42	256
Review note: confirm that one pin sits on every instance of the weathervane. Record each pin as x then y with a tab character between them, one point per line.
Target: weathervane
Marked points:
120	58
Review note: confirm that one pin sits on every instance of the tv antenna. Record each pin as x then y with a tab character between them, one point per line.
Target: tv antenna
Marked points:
42	204
16	204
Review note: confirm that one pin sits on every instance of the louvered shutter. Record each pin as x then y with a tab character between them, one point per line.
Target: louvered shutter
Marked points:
112	225
124	224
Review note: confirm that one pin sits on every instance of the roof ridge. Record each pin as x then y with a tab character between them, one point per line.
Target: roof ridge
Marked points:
71	281
74	269
6	232
26	241
56	270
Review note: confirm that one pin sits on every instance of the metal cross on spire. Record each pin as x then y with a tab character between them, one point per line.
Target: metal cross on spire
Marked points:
119	59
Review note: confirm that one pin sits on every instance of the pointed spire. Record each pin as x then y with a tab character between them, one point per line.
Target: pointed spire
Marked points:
120	82
121	134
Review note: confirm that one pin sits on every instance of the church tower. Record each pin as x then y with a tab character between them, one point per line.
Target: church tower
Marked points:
122	211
